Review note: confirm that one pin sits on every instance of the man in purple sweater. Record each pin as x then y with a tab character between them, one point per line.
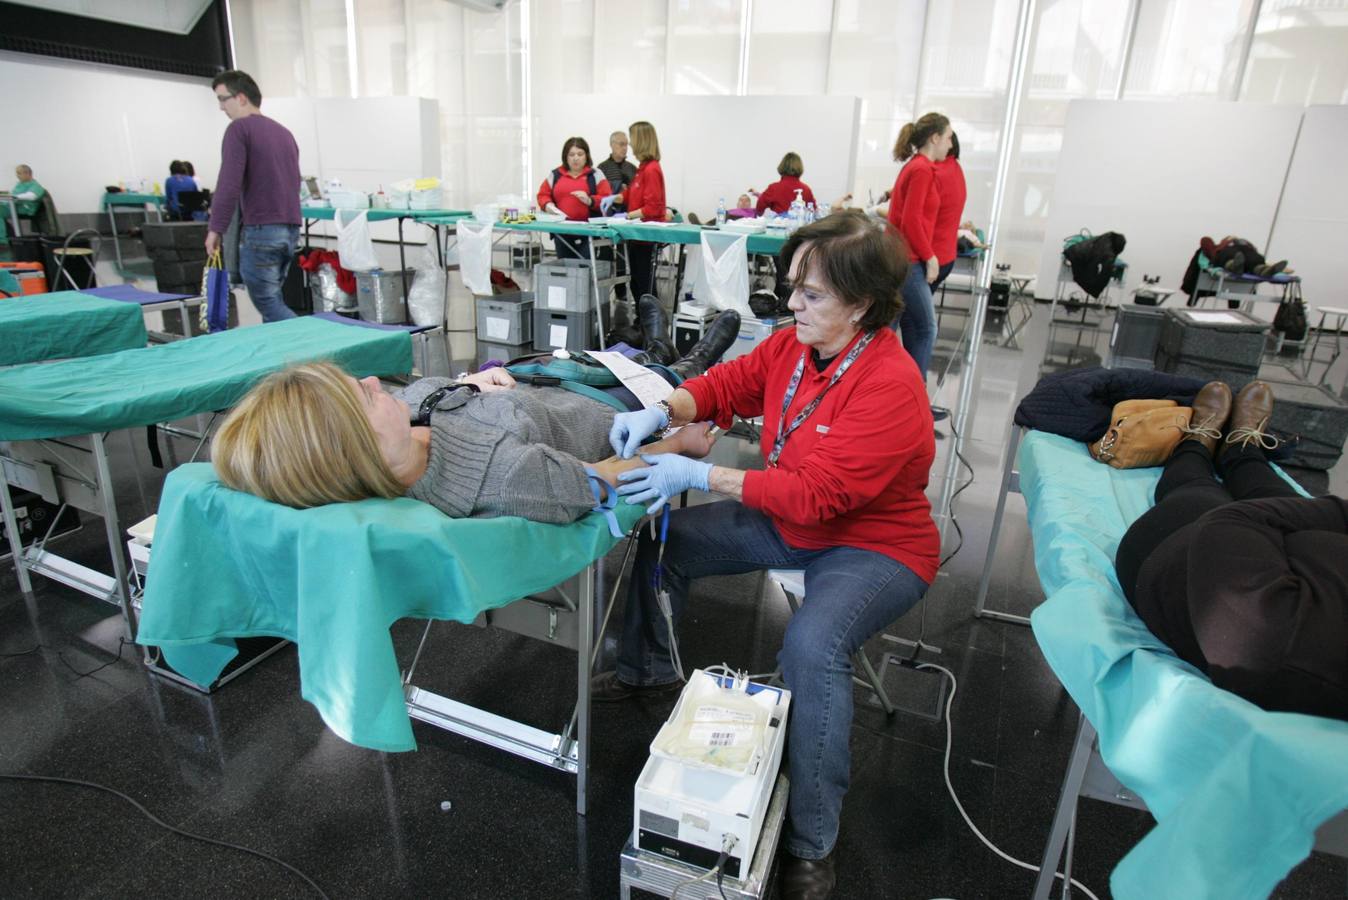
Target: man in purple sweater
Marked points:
260	171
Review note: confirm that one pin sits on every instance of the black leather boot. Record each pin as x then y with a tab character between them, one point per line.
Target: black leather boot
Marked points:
707	352
655	329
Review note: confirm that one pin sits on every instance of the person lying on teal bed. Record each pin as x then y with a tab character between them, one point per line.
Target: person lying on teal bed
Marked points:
483	446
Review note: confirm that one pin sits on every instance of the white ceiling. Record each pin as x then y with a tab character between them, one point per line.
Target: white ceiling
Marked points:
173	16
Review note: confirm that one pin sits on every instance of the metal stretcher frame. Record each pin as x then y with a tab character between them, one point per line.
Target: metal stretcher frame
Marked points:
184	304
1010	484
574	616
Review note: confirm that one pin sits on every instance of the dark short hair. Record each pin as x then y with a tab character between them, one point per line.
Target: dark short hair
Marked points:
177	168
188	168
860	257
791	165
237	82
954	146
576	142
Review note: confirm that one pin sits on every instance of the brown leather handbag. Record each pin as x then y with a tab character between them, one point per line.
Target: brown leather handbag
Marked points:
1142	433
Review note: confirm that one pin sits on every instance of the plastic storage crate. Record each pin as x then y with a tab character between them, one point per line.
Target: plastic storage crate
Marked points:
754	332
1136	335
566	330
506	318
564	286
504	352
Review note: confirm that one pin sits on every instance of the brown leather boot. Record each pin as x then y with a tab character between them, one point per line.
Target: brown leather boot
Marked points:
1212	407
1250	413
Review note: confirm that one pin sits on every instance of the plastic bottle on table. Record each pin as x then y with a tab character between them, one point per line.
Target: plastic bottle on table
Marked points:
720	213
809	214
797	211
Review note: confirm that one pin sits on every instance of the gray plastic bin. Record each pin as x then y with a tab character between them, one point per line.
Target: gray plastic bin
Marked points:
566	330
506	318
564	286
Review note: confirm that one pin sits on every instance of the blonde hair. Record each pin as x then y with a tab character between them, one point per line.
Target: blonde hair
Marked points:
914	135
301	437
644	143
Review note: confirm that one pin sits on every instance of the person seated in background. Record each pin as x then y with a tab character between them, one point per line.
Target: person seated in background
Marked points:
31	201
178	181
1243	578
482	446
779	195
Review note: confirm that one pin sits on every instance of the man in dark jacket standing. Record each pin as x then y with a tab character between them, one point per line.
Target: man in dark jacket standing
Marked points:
259	173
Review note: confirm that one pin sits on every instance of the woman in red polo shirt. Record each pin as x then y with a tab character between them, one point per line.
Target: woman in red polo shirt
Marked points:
842	496
912	210
953	193
779	195
573	189
644	200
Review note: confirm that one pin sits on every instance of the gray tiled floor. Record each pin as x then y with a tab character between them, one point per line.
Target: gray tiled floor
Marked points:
254	765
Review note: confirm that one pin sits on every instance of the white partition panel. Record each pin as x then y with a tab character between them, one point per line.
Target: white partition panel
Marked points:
1165	174
711	147
1313	215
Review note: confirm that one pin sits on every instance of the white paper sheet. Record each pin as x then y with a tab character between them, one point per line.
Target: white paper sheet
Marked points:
498	329
556	296
645	385
557	335
1212	317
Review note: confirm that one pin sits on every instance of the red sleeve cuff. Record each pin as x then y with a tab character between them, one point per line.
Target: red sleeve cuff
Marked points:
754	485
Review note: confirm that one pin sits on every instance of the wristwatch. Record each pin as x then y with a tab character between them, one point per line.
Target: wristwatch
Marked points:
669	417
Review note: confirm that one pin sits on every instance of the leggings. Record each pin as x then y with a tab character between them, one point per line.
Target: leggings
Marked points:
1189	488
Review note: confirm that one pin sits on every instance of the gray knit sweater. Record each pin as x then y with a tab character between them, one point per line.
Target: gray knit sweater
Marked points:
519	452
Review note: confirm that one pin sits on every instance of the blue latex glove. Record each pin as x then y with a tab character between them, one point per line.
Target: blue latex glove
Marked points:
666	474
630	429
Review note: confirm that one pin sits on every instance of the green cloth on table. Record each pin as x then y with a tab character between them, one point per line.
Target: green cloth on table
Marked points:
128	198
28	207
183	378
8	283
4	222
770	244
334	580
567	227
429	216
1237	792
63	324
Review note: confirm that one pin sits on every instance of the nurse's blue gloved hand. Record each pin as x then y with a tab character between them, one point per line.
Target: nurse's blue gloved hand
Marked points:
630	429
666	474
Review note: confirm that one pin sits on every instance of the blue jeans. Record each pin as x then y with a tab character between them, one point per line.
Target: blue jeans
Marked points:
265	254
851	594
917	323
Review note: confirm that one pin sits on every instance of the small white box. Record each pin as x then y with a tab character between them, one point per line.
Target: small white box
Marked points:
754	332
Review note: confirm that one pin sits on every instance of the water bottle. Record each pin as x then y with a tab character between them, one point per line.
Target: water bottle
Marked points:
720	213
823	210
809	214
797	211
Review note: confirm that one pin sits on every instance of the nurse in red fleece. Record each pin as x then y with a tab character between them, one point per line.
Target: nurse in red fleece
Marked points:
573	189
644	200
847	445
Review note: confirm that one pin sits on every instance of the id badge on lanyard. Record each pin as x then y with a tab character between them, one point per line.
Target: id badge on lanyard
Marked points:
785	432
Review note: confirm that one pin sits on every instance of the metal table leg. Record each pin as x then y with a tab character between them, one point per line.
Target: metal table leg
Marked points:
116	244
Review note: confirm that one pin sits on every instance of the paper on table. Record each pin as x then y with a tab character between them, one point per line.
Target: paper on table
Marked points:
1211	317
498	329
557	335
556	296
645	385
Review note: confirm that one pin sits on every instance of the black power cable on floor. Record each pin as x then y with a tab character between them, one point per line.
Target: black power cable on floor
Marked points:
121	644
950	510
51	779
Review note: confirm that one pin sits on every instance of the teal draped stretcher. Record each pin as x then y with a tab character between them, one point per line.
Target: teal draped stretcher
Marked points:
66	324
170	381
334	579
1237	792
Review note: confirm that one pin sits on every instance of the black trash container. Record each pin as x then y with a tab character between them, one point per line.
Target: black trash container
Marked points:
79	265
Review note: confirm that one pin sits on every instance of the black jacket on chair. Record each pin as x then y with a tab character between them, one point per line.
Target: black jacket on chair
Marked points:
1092	260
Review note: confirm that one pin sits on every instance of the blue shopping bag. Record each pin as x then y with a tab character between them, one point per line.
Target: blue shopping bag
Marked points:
215	288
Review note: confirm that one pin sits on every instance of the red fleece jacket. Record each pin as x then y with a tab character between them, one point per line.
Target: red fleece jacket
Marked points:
913	204
855	472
